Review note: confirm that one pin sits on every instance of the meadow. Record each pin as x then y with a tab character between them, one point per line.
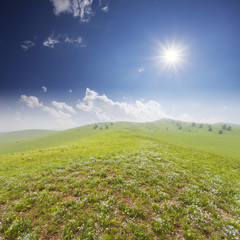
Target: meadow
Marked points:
159	180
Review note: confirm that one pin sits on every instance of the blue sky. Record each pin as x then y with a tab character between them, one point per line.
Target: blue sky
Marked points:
66	63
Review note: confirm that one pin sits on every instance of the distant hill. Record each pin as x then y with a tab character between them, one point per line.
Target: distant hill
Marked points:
24	134
196	135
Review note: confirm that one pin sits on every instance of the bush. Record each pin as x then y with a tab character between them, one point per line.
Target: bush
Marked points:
229	128
220	132
224	126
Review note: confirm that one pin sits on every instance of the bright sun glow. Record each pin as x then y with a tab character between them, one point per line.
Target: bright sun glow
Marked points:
171	56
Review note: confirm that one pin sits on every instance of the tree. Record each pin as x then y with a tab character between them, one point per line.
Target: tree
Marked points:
193	124
229	128
209	129
220	132
180	127
201	126
107	127
224	126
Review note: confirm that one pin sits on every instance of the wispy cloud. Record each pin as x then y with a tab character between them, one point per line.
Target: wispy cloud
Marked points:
105	9
78	8
54	39
51	41
77	41
44	89
63	106
70	90
105	109
27	44
141	69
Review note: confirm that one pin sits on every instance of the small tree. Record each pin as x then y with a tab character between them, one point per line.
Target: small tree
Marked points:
111	123
209	129
180	127
193	124
220	132
224	126
229	128
201	126
107	127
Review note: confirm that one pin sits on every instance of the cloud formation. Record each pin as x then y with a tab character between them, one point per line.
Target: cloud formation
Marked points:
105	9
61	6
44	89
78	8
51	41
57	112
105	109
77	41
63	106
27	44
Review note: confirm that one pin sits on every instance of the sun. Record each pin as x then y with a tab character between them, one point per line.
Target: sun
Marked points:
171	56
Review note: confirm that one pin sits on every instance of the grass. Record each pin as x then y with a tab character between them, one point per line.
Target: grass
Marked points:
119	185
197	137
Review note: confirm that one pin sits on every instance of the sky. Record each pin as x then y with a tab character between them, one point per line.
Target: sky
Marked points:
67	63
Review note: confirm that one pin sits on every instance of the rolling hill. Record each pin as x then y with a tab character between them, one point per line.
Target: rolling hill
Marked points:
122	181
181	133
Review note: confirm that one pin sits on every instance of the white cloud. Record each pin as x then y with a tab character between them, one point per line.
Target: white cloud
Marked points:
70	90
57	112
31	101
77	41
105	109
27	44
61	6
141	70
44	89
51	41
78	8
105	9
63	106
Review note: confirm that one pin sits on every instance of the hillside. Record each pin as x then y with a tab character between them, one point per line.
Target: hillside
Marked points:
181	133
118	185
16	136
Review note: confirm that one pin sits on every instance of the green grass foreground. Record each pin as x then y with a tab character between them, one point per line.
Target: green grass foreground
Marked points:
119	184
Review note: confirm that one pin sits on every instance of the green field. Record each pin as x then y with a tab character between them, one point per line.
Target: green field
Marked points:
122	181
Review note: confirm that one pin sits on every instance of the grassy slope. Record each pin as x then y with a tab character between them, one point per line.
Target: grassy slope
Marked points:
119	185
199	138
13	141
23	135
226	144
